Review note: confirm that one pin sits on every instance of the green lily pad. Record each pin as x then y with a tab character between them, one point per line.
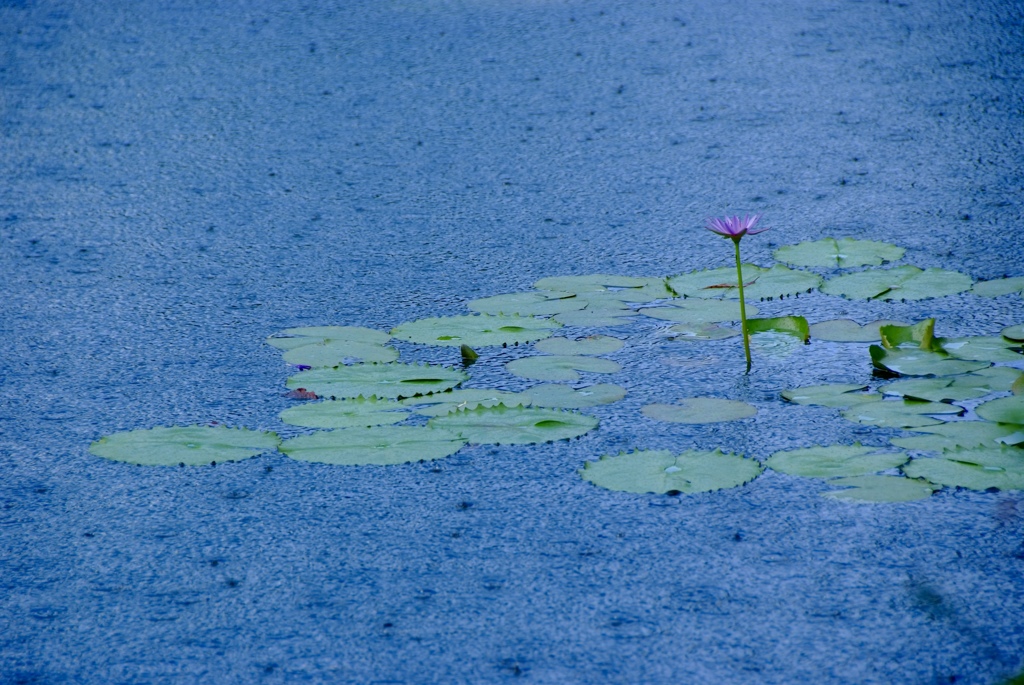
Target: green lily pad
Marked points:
659	471
386	381
843	253
291	338
947	436
900	283
475	330
955	389
595	318
700	410
184	445
983	348
515	425
900	413
532	303
999	378
334	352
351	413
847	330
758	283
1018	386
999	286
564	397
835	461
921	362
977	468
920	335
560	367
1014	333
441	403
625	288
835	395
780	281
379	445
594	344
696	311
702	331
1004	410
881	489
790	325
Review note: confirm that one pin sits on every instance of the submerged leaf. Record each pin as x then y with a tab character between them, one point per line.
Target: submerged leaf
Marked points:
479	330
515	425
900	413
184	445
387	381
977	468
999	286
835	395
700	410
842	253
380	445
594	344
881	489
834	461
563	397
900	283
947	436
344	413
660	471
847	330
560	367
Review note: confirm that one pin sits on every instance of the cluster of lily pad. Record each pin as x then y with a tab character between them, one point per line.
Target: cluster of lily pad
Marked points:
365	402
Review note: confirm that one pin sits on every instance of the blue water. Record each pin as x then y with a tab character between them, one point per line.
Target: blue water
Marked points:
183	179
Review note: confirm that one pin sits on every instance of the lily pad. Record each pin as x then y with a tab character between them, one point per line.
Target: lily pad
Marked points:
479	330
758	283
379	445
900	413
947	436
999	378
291	338
564	397
835	461
350	413
843	253
921	362
334	352
1014	333
920	335
977	468
532	303
1018	386
835	395
625	288
560	367
881	489
514	425
595	318
847	330
983	348
790	325
955	389
594	344
184	445
780	281
900	283
999	286
695	311
700	410
441	403
1004	410
386	381
702	331
659	471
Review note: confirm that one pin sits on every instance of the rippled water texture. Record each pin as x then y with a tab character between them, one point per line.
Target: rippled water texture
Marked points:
183	179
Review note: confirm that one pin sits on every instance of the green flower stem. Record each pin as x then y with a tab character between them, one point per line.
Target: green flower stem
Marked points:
743	308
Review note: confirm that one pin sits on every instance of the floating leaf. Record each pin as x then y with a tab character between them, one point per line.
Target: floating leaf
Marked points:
999	286
475	330
532	303
1003	410
659	471
184	445
758	283
696	311
847	330
594	344
834	461
881	489
780	281
977	468
560	367
388	381
1014	333
334	352
835	395
961	434
999	378
380	445
625	288
921	362
921	335
344	413
956	389
790	325
291	338
1018	386
563	397
442	403
983	348
515	425
843	253
900	414
702	331
900	283
596	318
700	410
